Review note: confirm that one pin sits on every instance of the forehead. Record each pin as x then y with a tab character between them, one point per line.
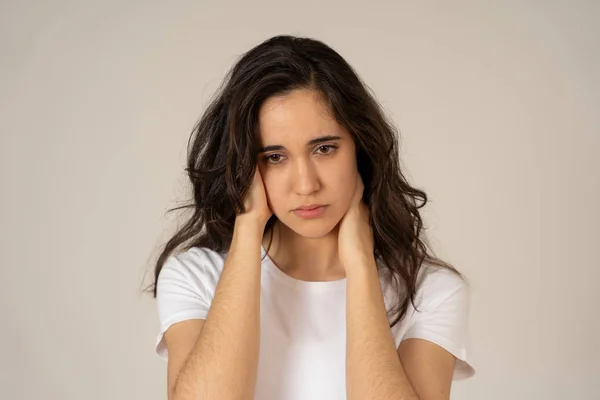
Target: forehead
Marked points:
297	117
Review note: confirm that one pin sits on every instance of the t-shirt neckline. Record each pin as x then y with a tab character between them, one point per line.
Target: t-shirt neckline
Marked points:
305	285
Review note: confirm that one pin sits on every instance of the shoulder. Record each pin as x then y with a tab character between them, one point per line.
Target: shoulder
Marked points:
193	258
437	285
197	266
185	288
442	315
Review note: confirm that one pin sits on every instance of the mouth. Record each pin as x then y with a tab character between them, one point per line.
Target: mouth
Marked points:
310	211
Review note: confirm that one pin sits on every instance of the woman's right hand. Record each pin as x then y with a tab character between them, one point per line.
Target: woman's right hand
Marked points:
255	202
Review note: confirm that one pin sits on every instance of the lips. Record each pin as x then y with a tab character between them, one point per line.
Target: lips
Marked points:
309	207
310	211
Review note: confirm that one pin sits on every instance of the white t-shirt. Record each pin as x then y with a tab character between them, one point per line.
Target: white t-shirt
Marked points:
303	324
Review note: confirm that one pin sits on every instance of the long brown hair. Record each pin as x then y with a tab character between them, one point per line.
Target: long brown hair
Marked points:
223	147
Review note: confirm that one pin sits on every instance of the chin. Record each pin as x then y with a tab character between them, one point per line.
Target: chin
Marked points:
311	229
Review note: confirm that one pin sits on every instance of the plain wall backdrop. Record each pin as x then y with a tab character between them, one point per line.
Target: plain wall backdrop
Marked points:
497	103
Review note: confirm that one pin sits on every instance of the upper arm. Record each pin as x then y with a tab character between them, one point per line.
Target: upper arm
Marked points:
434	349
428	367
185	288
180	339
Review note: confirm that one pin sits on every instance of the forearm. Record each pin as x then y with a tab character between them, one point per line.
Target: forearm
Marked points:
223	363
373	368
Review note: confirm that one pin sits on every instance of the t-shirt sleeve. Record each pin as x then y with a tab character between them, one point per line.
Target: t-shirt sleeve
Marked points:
442	318
185	289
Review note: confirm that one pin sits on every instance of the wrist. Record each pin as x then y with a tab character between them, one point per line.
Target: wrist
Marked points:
248	222
358	259
247	233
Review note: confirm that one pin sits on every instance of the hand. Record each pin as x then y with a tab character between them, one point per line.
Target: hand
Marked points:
355	235
255	202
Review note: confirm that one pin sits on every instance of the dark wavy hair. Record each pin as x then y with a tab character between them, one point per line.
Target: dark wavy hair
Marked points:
223	154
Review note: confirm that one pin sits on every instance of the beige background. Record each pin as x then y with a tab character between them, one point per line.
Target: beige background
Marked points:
498	105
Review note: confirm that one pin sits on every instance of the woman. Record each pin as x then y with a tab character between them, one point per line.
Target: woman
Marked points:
303	271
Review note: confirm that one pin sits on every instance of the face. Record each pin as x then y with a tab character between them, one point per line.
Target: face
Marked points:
306	159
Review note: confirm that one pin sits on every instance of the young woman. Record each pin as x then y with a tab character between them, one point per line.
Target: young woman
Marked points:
303	272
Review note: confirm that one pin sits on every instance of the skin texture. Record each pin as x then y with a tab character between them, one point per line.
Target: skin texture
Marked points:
338	244
202	362
300	173
375	369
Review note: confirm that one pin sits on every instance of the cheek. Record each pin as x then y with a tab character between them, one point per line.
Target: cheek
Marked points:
343	181
345	186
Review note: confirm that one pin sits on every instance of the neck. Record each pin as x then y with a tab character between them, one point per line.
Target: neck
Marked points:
304	258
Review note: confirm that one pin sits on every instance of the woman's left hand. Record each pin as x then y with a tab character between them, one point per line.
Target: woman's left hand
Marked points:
355	235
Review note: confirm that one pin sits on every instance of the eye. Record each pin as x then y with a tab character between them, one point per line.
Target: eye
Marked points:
326	149
273	158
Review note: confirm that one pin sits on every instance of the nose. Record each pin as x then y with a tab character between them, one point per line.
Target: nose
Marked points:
306	178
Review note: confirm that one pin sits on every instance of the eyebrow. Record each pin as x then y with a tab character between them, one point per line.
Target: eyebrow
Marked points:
311	142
